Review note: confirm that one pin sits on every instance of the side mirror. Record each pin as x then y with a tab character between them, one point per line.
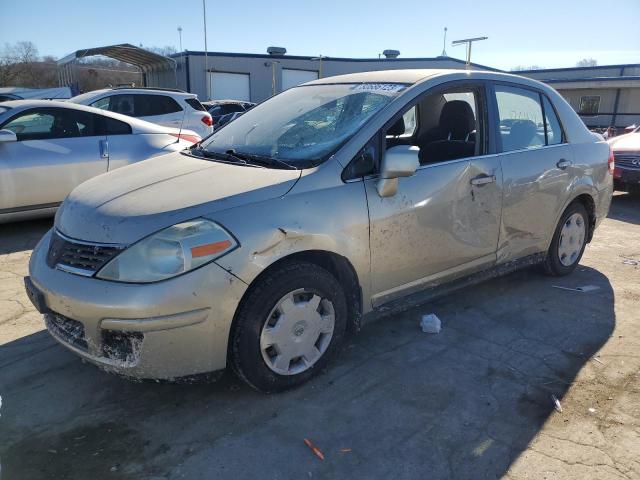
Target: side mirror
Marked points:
8	136
398	161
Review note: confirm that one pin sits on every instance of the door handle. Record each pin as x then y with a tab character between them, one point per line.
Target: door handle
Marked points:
104	148
562	164
482	180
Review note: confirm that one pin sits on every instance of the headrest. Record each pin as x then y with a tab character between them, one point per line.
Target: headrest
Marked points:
457	118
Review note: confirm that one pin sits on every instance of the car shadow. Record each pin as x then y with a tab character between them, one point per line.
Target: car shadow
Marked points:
21	236
397	402
625	208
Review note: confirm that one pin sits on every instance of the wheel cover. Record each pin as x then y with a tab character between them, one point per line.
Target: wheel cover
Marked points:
571	239
297	332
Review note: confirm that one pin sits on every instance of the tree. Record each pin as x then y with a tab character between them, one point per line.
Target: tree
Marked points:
166	50
587	62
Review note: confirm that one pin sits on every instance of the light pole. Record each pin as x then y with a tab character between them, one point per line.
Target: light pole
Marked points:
273	64
206	65
468	42
180	36
444	43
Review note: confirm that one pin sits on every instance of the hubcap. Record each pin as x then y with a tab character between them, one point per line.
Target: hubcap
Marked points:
297	332
571	239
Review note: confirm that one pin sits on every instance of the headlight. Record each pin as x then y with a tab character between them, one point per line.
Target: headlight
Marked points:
170	252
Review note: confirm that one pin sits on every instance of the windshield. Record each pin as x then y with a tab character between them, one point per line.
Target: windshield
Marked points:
305	125
83	97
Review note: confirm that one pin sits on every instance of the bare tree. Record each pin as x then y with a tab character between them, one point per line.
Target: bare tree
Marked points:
587	62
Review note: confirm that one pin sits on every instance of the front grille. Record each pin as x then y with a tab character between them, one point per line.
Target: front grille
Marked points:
76	255
628	160
68	330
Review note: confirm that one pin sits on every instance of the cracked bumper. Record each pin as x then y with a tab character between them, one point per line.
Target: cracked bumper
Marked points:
168	329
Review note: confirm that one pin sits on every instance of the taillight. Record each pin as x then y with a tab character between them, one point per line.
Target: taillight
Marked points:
207	120
611	163
187	137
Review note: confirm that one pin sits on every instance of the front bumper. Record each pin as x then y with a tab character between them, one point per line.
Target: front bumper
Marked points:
163	330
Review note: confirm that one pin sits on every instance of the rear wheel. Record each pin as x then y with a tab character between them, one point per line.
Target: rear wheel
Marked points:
288	328
569	241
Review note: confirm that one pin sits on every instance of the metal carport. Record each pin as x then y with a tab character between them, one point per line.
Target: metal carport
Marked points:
148	62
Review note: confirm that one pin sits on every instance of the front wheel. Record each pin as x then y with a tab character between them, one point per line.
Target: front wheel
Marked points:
291	324
569	241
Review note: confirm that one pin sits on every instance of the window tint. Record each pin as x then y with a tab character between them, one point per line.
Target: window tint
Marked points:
116	127
195	104
520	115
150	105
552	124
216	111
122	104
52	123
590	104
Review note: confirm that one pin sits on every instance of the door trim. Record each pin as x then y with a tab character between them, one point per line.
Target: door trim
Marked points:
29	208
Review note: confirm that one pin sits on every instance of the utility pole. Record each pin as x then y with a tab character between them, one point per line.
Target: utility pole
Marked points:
206	54
444	43
319	58
468	42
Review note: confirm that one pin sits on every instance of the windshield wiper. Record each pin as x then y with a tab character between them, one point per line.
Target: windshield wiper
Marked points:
225	157
260	159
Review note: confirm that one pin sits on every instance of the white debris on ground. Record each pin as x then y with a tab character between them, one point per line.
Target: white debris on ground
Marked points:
430	323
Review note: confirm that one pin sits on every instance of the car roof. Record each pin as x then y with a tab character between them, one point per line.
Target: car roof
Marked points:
223	102
139	126
417	75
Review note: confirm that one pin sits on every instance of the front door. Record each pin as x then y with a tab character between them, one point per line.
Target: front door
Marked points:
56	150
444	220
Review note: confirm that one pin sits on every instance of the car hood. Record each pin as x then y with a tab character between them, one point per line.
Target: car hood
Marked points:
132	202
629	141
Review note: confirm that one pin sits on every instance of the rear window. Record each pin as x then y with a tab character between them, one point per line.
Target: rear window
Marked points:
116	127
195	104
150	105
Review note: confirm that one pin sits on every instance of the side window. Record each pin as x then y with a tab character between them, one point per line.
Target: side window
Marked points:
122	104
52	123
195	104
31	125
151	105
116	127
520	115
551	123
590	104
102	104
405	128
232	107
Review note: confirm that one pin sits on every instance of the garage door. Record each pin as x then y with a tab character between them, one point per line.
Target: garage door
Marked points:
229	86
291	78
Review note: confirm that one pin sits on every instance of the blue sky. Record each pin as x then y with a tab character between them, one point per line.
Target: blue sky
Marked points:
548	33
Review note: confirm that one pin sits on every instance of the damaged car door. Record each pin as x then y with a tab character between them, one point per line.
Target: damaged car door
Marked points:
443	220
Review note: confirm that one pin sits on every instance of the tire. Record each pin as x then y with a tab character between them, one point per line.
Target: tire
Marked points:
557	261
264	311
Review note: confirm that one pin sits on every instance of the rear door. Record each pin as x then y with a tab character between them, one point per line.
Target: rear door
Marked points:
57	149
537	166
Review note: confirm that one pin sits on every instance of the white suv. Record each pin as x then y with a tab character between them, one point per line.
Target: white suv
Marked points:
171	108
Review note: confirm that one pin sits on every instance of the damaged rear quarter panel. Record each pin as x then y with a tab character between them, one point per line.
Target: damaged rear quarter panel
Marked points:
319	213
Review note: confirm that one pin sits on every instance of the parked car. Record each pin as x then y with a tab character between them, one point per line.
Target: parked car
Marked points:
4	97
224	119
220	108
47	148
168	107
626	151
261	247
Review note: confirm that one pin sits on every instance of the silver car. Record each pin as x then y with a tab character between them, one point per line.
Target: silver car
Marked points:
47	148
262	247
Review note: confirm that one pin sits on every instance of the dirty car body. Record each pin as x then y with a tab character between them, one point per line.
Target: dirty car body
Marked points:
261	247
